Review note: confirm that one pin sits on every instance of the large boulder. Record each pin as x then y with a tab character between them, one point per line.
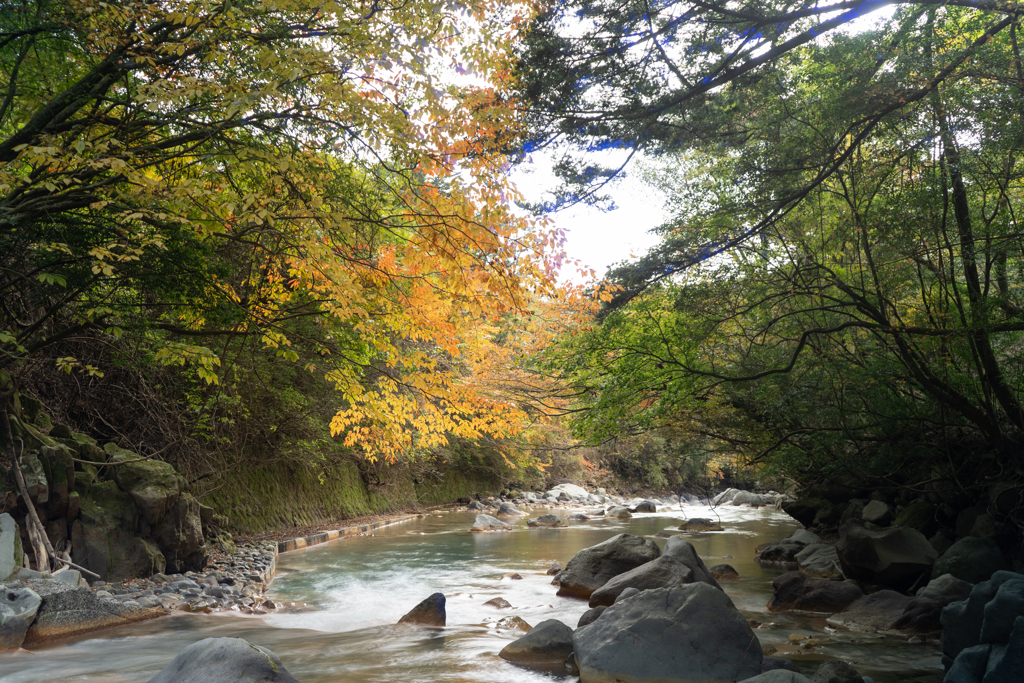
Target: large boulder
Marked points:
875	612
646	506
72	610
18	608
11	554
509	509
224	660
805	510
786	550
680	549
545	521
180	536
876	512
663	572
572	491
545	647
971	559
152	484
983	636
104	537
797	591
820	561
593	567
923	613
918	515
896	556
688	633
488	523
429	612
618	511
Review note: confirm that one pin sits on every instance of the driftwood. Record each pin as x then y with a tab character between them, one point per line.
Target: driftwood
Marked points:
41	547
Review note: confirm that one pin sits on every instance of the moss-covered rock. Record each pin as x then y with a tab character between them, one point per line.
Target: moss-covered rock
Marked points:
104	536
35	478
60	473
152	484
30	436
180	536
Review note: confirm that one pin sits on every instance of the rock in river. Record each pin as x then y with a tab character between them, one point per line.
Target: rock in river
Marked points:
896	556
700	524
71	610
669	635
224	660
797	591
663	572
545	521
509	509
18	607
545	647
593	567
430	612
488	523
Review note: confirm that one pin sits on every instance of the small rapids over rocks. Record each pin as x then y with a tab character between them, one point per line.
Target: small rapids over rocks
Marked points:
340	603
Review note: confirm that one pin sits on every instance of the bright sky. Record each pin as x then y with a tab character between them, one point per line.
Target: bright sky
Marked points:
596	238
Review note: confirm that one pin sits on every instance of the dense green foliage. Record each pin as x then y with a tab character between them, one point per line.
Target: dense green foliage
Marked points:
838	292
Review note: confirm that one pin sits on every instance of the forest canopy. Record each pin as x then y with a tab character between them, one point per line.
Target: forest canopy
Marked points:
233	188
838	290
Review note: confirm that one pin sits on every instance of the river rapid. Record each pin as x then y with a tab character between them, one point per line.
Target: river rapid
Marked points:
340	602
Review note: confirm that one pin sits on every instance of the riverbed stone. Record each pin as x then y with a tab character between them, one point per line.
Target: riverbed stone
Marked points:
619	512
798	591
923	613
646	506
514	623
73	610
663	572
724	572
819	560
681	549
972	559
876	512
224	660
509	509
591	615
430	612
896	556
545	521
488	523
11	554
544	648
700	524
687	633
875	612
593	567
18	608
836	671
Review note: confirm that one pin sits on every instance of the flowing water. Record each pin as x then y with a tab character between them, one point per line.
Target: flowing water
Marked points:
342	600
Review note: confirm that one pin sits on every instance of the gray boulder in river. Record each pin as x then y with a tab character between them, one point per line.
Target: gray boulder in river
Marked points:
430	612
545	520
669	635
663	572
18	607
224	660
545	647
593	567
72	610
797	591
896	556
682	550
488	523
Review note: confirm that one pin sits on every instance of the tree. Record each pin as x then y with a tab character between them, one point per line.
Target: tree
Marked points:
838	289
196	173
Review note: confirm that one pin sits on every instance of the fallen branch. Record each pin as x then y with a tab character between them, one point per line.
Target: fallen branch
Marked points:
36	531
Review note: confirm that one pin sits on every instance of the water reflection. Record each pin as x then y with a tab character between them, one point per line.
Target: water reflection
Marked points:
342	601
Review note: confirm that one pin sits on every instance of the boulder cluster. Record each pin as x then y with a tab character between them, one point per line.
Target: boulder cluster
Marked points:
105	508
37	607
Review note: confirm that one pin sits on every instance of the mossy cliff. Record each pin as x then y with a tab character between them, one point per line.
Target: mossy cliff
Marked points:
279	496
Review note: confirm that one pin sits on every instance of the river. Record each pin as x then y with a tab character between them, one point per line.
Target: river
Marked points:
340	602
